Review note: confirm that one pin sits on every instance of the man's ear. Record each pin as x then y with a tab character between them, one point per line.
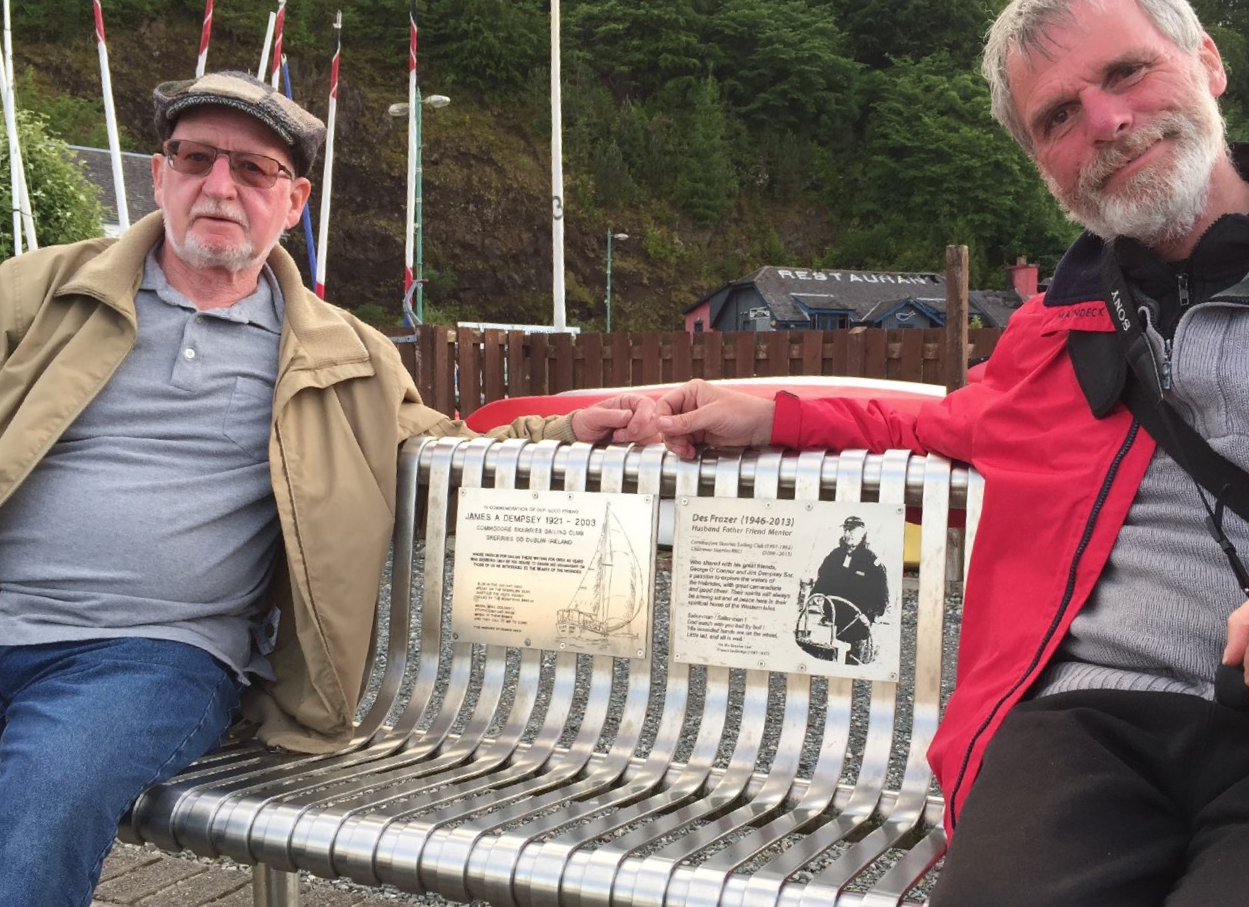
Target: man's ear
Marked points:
158	177
301	188
1212	62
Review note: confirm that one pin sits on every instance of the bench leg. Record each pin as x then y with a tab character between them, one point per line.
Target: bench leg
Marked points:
271	888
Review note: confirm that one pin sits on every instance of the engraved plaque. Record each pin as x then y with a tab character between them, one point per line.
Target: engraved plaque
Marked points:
813	586
555	570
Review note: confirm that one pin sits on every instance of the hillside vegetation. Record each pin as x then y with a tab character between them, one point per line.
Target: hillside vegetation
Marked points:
720	135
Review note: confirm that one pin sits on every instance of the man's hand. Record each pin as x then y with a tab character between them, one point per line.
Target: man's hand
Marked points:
701	413
622	418
1236	652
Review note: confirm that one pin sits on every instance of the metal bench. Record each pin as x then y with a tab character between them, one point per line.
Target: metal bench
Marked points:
565	772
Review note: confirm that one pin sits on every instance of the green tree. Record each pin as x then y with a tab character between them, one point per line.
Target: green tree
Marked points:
65	205
492	45
639	48
705	183
935	170
881	30
784	67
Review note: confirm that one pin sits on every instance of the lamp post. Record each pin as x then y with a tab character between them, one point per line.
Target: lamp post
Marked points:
415	201
610	237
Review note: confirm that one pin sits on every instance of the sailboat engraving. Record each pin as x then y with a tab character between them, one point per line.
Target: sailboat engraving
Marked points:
611	591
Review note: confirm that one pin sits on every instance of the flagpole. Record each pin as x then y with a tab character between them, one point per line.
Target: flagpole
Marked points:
306	216
21	194
15	186
110	121
264	52
205	34
327	179
410	224
10	125
557	177
277	44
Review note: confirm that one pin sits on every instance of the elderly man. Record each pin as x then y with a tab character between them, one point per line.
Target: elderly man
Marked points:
1085	757
197	479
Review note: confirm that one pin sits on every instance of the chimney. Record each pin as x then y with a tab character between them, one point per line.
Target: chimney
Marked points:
1022	277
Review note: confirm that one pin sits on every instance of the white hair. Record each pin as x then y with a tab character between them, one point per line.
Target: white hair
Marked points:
1022	27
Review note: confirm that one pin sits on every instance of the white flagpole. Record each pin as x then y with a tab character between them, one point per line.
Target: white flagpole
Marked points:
205	33
327	178
21	197
15	186
110	121
10	125
557	176
410	226
276	78
264	53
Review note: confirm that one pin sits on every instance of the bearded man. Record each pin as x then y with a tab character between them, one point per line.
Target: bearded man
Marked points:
1085	756
197	483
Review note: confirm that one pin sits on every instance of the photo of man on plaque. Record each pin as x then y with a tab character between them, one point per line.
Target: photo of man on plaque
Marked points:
849	593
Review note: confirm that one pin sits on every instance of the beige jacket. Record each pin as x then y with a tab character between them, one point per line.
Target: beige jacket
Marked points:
341	406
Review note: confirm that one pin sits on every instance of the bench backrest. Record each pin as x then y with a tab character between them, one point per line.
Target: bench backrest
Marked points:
729	761
560	709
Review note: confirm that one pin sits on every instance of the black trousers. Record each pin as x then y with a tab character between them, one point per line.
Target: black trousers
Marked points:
1106	798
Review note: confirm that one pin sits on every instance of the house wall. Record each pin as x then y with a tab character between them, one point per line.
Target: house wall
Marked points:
699	318
745	310
907	318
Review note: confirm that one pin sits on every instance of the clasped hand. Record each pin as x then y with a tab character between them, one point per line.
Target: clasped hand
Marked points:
692	414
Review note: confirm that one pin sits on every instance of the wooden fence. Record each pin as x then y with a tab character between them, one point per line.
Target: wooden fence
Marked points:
489	365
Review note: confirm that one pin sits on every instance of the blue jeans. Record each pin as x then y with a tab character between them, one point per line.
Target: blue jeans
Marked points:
84	729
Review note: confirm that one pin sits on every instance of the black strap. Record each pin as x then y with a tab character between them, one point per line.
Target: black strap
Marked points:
1218	475
1229	484
1144	397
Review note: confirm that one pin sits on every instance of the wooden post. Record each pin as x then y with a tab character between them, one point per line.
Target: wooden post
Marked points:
955	317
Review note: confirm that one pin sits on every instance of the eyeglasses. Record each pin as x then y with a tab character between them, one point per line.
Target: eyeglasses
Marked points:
255	171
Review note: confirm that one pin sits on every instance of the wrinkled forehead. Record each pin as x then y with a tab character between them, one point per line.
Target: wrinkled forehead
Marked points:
231	129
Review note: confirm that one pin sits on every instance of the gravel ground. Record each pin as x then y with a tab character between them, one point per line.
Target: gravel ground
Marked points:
659	668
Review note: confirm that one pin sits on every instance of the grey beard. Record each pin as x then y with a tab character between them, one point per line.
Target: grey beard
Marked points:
236	259
1159	206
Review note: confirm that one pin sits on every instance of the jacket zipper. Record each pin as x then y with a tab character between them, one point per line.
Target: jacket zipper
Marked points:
1054	624
1185	299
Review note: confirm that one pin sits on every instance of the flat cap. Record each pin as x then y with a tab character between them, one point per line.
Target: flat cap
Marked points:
303	132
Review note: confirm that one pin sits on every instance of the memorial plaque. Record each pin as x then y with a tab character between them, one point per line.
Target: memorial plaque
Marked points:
813	586
555	570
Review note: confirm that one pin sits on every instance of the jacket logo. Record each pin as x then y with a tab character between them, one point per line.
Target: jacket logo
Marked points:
1121	312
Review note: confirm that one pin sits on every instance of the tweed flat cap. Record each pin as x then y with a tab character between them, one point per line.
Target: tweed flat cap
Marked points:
303	132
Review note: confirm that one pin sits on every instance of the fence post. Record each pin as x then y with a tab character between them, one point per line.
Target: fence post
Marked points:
955	317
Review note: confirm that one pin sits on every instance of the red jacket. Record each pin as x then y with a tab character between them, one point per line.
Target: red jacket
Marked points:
1059	481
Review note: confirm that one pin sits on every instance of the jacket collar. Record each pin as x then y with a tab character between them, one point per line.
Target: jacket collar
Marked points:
1216	269
315	334
1219	260
113	276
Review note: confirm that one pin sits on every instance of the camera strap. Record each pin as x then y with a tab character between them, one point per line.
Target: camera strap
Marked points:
1224	479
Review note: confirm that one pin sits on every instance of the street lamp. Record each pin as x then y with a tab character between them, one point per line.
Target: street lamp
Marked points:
610	237
415	202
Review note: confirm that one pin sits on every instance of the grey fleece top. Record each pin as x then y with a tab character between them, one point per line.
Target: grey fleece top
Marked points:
1157	617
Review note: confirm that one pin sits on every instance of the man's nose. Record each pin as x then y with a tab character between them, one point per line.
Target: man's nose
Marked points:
220	181
1107	116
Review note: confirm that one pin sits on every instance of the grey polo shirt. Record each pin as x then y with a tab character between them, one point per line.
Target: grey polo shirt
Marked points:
153	514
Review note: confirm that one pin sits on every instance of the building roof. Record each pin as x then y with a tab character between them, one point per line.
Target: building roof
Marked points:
867	296
97	165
